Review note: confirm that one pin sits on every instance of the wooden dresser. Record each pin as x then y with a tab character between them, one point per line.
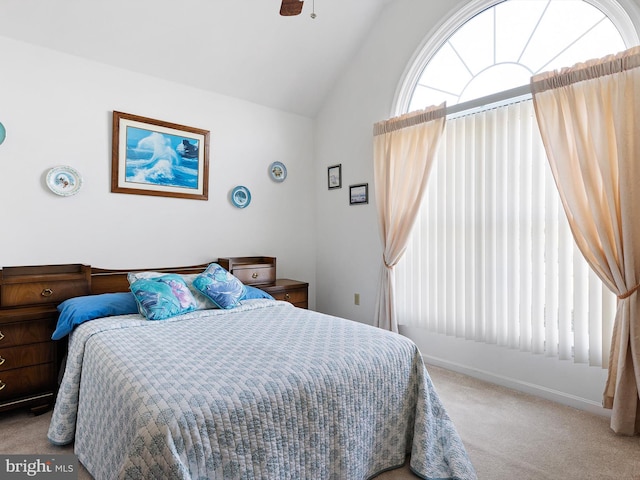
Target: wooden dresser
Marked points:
29	359
261	273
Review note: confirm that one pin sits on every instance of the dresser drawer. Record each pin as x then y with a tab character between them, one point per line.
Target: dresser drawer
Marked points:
27	355
38	285
24	381
19	294
22	333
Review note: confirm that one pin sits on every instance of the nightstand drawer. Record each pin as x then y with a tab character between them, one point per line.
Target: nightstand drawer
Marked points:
24	381
255	274
251	270
293	296
27	355
291	291
22	333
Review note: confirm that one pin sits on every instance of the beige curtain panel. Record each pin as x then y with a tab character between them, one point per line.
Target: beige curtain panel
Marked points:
404	148
589	118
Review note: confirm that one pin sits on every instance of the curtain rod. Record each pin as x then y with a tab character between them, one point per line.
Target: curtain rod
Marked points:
518	93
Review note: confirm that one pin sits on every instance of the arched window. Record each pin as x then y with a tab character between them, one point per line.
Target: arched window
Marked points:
491	257
489	47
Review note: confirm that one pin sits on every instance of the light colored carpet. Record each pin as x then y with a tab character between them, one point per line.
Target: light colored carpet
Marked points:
512	435
509	436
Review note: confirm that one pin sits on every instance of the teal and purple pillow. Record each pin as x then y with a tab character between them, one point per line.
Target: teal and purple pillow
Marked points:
220	286
203	303
163	297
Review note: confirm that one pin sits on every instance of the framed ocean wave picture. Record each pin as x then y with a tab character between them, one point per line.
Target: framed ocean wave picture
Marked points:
154	157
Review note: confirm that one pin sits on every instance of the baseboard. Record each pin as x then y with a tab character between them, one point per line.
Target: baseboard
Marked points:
525	387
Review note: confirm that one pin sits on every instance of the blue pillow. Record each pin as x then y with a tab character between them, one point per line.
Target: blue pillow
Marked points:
163	297
253	292
220	286
75	311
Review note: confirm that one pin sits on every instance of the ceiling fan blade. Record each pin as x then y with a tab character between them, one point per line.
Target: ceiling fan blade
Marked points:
290	8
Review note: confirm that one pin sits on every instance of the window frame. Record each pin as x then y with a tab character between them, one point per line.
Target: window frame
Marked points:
624	14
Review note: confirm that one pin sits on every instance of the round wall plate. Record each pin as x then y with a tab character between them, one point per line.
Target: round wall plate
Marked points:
3	133
241	196
278	171
63	180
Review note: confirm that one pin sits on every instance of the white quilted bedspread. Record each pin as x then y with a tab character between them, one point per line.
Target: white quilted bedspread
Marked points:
263	391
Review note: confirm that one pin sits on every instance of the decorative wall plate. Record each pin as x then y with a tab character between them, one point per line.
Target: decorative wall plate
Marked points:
241	196
63	180
278	171
3	133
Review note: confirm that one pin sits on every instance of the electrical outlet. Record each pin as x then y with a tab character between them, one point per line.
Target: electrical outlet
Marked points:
356	298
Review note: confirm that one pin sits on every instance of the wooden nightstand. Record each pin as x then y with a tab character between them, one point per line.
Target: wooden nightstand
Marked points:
260	272
292	291
29	359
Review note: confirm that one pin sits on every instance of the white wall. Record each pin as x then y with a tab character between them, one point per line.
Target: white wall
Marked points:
349	247
57	111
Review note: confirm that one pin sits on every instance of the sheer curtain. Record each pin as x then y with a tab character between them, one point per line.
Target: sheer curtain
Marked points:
589	118
404	148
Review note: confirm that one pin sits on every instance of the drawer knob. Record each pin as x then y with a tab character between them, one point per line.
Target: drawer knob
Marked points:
2	360
2	384
287	296
47	292
255	275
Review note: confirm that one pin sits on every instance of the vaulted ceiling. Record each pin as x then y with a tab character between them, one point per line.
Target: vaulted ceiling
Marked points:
240	48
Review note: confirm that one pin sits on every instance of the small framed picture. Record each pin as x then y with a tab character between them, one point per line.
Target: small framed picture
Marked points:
334	176
358	194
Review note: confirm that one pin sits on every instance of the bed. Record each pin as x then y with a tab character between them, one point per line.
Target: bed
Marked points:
259	390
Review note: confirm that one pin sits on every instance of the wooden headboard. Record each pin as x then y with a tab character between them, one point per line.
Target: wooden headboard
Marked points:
52	284
108	281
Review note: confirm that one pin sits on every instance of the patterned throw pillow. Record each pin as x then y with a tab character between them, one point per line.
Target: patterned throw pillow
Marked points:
163	297
202	302
220	286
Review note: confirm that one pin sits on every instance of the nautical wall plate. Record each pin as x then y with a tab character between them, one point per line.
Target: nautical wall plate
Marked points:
278	171
63	180
241	196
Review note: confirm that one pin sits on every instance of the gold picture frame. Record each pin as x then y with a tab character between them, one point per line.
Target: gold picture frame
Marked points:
154	157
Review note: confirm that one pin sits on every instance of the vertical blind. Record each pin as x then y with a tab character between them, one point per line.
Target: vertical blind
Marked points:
491	257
